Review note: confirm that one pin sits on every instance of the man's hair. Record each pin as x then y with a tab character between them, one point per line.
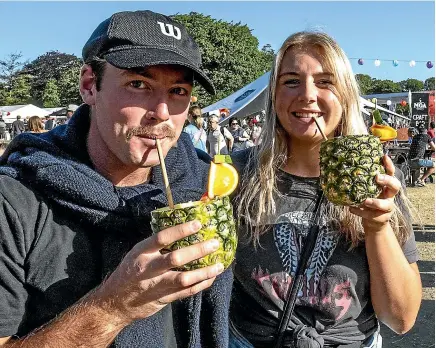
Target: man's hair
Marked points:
234	119
195	111
98	67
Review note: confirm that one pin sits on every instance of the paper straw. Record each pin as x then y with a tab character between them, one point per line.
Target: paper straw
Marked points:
319	127
164	173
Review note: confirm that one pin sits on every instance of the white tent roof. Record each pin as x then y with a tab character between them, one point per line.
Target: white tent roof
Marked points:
251	99
22	110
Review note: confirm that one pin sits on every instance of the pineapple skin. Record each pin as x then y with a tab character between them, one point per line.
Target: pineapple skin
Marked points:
349	165
216	217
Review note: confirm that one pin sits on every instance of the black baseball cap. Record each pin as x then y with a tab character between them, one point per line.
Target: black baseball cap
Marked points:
142	38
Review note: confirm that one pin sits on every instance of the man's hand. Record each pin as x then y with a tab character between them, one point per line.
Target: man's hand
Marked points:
144	283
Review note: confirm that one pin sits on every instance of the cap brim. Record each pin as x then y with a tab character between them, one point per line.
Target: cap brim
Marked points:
145	56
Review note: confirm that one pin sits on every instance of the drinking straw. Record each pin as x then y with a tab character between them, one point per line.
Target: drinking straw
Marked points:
319	127
164	173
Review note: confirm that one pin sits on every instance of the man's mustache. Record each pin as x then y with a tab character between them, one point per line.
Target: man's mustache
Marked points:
164	131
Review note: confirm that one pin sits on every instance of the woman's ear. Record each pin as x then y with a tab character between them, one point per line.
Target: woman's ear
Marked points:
87	85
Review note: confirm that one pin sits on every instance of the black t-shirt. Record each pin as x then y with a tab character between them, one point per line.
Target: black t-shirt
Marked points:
335	297
419	145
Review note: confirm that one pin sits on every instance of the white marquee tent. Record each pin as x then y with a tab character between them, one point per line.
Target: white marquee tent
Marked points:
250	100
11	112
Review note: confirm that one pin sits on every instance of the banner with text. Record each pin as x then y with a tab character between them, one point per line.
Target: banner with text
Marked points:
419	110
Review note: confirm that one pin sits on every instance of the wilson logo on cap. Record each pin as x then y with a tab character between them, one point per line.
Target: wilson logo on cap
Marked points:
169	30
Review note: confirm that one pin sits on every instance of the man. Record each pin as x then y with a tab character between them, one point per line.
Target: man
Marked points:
430	132
17	126
79	266
219	139
3	128
49	123
240	136
417	154
70	112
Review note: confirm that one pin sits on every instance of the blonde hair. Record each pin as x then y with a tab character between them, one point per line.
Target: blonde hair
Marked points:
258	189
35	124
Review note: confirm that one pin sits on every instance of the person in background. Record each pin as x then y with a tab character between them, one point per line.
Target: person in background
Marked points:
416	156
255	130
219	139
17	127
3	128
35	125
363	268
49	123
240	136
70	111
430	131
79	263
195	128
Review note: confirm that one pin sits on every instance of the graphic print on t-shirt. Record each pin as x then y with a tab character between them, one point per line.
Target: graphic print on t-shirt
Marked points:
290	231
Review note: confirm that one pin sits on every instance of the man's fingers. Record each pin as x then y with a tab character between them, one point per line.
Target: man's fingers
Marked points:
187	292
170	235
151	267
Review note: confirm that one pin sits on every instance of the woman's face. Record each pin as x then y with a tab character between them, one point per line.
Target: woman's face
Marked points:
304	91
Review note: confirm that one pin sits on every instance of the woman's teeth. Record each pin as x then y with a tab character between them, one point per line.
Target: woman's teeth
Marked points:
307	114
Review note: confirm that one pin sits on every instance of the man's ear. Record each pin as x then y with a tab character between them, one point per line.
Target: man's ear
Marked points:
87	85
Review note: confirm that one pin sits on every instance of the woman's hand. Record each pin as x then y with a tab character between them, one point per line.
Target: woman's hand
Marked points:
376	212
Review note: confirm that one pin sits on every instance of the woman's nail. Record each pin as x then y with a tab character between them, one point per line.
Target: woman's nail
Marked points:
381	177
219	267
369	201
195	225
213	244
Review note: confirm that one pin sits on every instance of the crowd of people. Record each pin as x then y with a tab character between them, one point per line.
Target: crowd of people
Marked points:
215	133
80	266
34	124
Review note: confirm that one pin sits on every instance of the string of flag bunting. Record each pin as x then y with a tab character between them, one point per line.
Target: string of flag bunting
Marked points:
395	62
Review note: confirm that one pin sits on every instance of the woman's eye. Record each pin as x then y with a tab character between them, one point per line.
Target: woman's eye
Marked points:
292	82
325	82
179	91
137	84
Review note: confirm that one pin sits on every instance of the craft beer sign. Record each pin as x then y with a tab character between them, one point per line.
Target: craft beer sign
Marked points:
419	110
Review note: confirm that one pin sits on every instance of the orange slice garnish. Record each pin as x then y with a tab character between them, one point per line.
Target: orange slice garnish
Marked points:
223	179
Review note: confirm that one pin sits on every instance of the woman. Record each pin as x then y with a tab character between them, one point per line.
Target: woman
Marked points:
240	136
363	268
35	125
195	128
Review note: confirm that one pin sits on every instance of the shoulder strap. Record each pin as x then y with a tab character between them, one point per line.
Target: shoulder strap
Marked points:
308	247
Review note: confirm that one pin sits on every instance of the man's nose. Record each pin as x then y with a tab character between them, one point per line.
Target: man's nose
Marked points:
159	111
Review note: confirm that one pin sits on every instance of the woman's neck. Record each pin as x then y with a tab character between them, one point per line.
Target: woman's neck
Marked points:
303	159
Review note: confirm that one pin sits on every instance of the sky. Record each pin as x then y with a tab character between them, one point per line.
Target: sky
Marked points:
391	30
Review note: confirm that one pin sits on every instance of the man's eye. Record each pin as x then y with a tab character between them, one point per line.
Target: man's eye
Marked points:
179	91
137	84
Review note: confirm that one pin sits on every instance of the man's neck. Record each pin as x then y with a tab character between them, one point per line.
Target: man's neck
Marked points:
109	166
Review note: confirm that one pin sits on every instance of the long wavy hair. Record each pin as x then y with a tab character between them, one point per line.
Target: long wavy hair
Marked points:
258	190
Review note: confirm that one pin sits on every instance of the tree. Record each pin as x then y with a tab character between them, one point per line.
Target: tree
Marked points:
402	110
365	83
429	84
413	85
69	86
50	65
19	92
10	67
385	86
230	54
50	96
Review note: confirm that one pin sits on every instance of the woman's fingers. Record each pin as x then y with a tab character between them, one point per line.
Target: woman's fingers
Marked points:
389	165
383	205
391	185
369	214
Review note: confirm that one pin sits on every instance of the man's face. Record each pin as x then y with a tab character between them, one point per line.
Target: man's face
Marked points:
213	124
69	114
133	108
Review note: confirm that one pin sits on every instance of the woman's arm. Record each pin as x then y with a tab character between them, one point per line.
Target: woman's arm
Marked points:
396	289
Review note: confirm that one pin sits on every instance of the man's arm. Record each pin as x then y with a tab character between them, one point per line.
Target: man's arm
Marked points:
140	286
229	136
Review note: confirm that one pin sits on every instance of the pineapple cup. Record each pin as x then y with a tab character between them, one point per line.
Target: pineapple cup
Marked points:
216	217
349	165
